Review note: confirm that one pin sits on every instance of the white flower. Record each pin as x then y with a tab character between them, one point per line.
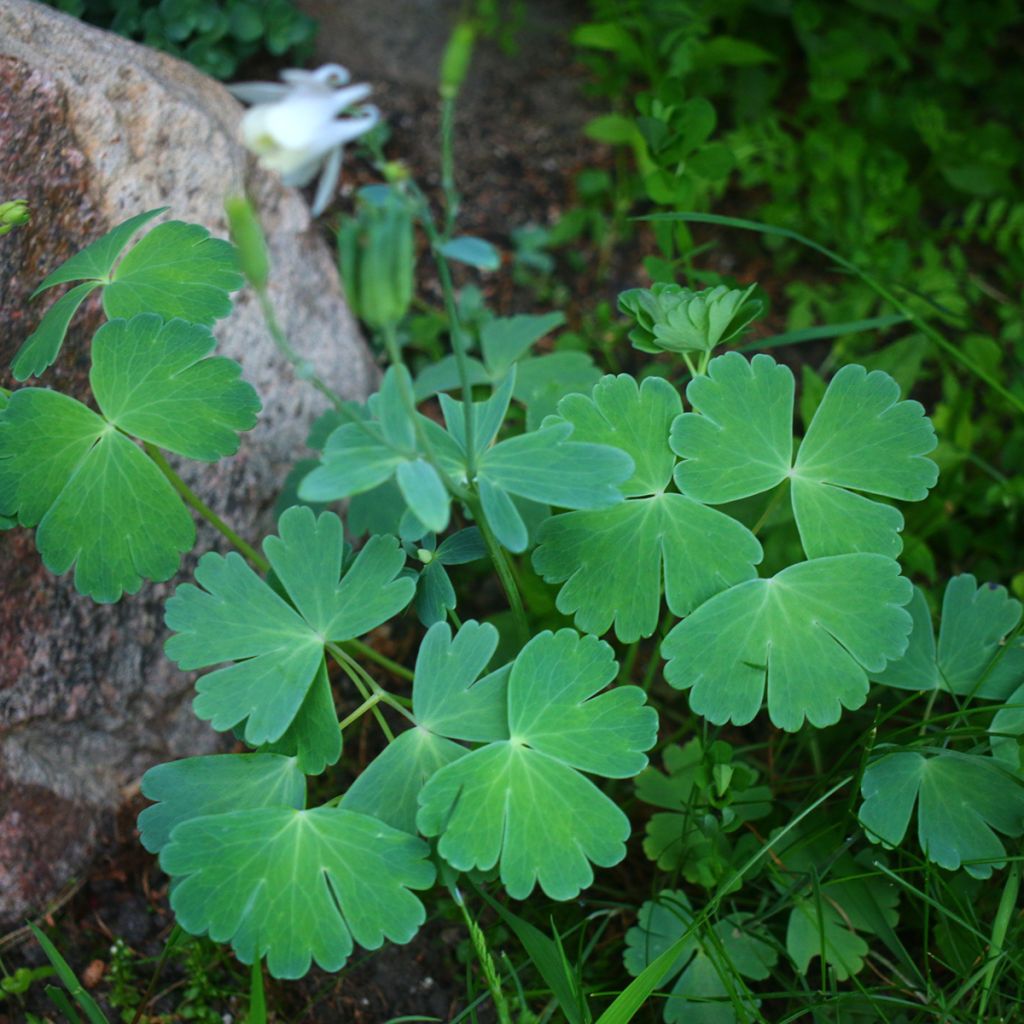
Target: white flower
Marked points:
300	128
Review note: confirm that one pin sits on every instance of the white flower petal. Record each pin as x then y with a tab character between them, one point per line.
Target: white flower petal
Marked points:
258	92
328	183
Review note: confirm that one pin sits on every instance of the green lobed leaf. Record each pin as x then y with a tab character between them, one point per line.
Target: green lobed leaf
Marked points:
153	379
862	438
809	636
99	503
176	270
973	656
313	738
276	648
41	348
198	786
522	801
296	885
962	801
616	562
504	340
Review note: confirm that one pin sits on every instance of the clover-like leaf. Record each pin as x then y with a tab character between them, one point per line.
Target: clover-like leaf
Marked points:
522	801
963	801
99	503
862	440
313	738
973	657
296	885
277	648
198	786
709	966
810	636
615	562
177	270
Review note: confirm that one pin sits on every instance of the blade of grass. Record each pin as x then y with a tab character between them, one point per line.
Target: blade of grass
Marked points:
89	1006
873	283
824	331
550	962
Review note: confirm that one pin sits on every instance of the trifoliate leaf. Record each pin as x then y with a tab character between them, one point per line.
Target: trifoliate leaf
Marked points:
198	786
809	636
616	562
277	649
100	504
522	801
177	270
296	885
962	801
838	901
709	966
972	657
152	379
862	438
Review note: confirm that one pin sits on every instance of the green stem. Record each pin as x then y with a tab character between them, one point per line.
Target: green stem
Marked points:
769	508
371	702
349	667
504	570
451	195
204	510
366	651
1004	914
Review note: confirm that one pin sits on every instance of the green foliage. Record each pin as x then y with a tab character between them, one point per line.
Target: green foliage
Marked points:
962	802
710	968
218	36
276	648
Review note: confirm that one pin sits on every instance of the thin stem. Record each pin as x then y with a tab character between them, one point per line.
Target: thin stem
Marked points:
504	571
451	195
371	702
204	510
1000	926
769	509
144	1002
371	654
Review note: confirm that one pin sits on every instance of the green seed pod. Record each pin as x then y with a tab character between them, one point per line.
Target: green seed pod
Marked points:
247	235
457	56
384	258
12	214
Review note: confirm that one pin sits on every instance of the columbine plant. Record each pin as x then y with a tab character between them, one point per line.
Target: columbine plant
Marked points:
633	498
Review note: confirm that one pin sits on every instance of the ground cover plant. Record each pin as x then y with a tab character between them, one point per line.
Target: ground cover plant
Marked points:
678	710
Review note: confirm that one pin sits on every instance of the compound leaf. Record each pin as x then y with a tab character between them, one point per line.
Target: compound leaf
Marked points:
99	503
152	379
522	801
973	657
197	786
962	801
809	636
277	647
296	885
313	738
862	438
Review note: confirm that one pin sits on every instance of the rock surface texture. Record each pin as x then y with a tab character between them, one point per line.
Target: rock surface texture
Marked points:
94	129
